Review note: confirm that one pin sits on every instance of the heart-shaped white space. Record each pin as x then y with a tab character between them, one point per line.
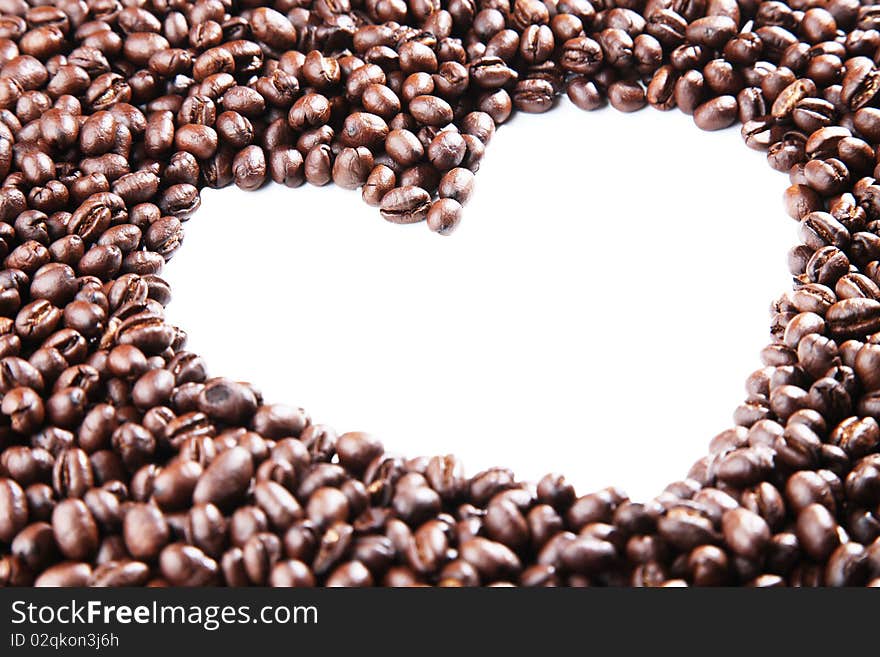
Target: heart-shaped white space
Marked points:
596	313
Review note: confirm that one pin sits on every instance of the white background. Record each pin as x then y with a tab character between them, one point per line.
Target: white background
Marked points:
596	313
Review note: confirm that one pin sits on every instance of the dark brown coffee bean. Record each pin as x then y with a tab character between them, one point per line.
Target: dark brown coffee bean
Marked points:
746	533
24	408
291	573
72	472
249	168
286	167
120	573
260	554
280	506
146	531
187	565
379	182
533	95
444	216
226	479
689	91
13	509
405	205
817	532
685	528
492	560
65	574
854	317
174	485
430	110
352	166
76	533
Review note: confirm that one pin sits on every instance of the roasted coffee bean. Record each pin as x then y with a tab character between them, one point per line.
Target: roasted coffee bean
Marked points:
105	506
379	182
817	532
76	533
447	150
279	505
857	436
286	167
352	167
716	114
586	95
145	531
24	409
492	560
34	546
405	205
444	216
689	91
120	573
363	129
310	110
187	565
14	508
65	574
623	95
853	317
227	401
291	573
661	90
685	528
72	473
260	554
430	110
860	83
746	533
249	168
826	176
174	485
226	479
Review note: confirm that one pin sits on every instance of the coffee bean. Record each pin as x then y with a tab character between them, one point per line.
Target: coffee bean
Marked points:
174	485
226	479
291	573
13	509
379	182
405	205
76	533
260	554
853	317
34	546
145	531
187	565
430	110
746	533
72	473
24	408
492	560
685	528
716	114
65	574
533	95
280	505
249	168
444	216
120	573
286	167
351	167
227	401
817	531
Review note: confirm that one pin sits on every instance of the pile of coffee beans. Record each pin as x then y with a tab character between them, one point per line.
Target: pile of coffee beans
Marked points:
123	463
